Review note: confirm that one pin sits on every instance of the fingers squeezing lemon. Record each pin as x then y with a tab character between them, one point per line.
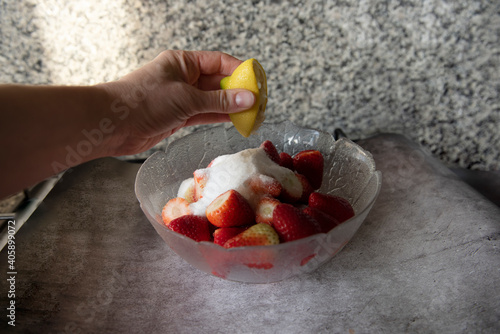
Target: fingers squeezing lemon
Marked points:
251	76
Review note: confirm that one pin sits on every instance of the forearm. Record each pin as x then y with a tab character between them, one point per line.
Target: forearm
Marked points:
45	130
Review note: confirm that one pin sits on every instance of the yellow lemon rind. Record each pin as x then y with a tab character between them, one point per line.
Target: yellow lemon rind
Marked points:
248	76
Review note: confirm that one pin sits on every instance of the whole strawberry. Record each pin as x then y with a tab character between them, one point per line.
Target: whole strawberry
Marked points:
230	209
291	223
335	206
194	227
310	164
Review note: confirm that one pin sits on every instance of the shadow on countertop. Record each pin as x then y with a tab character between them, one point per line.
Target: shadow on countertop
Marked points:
485	182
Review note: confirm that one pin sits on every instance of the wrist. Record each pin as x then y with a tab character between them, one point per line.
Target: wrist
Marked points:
108	131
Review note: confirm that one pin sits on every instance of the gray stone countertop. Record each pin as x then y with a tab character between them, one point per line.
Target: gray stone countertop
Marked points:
428	69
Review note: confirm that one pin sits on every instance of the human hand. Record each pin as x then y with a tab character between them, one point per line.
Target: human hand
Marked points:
176	89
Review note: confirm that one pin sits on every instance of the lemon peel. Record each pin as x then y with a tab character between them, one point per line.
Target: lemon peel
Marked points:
248	75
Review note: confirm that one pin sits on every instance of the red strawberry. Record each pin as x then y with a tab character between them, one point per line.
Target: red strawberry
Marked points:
194	227
230	209
223	234
337	207
307	189
200	181
175	208
264	185
211	163
292	224
310	164
271	151
286	160
264	210
326	222
256	235
306	260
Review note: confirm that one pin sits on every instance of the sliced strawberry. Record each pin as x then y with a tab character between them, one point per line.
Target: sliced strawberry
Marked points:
175	208
230	209
187	190
265	208
271	151
307	189
211	163
337	207
223	234
310	164
194	227
291	223
326	222
256	235
200	181
264	185
286	160
292	188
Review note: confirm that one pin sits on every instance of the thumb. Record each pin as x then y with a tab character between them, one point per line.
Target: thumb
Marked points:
227	101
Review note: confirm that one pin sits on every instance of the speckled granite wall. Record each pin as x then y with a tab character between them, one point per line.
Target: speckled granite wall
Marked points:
428	69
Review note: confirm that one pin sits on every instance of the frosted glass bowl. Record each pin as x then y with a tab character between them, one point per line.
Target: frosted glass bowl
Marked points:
349	172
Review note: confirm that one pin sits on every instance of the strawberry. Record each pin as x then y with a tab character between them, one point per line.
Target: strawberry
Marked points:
307	189
336	206
291	223
264	185
256	235
175	208
325	221
187	190
286	160
194	227
230	209
223	234
271	151
265	208
306	260
211	163
292	188
200	181
310	164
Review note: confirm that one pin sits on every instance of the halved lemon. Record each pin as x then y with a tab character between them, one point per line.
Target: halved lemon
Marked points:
249	75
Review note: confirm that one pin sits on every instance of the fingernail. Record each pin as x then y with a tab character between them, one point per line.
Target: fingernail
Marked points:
245	99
